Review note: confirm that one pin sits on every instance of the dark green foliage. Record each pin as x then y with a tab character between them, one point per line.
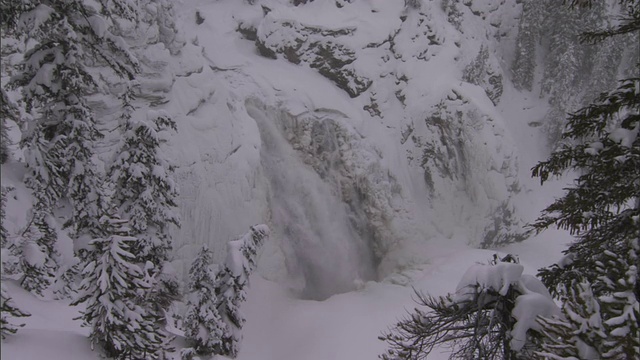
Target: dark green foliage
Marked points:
598	277
631	23
602	209
38	253
145	190
601	320
10	247
204	327
3	231
7	111
524	64
581	324
55	79
601	206
231	293
146	193
112	288
9	310
475	329
551	33
474	325
232	281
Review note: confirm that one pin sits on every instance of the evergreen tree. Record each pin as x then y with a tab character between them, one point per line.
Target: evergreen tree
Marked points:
145	190
485	319
7	111
10	246
112	289
572	71
249	247
603	326
38	254
231	283
602	205
629	25
3	231
9	310
524	64
146	193
601	208
204	327
231	293
71	37
579	332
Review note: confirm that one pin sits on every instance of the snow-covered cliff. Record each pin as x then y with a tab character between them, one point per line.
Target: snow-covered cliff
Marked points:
359	131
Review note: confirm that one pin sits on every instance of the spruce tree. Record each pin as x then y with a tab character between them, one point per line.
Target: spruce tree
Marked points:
145	190
112	289
231	293
146	193
524	64
7	111
10	246
71	38
486	318
232	281
9	310
594	326
579	331
601	208
38	253
204	327
3	231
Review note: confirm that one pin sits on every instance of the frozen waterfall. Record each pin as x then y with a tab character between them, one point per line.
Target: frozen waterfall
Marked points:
324	253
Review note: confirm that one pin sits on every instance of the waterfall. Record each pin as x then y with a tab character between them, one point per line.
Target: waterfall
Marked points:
323	250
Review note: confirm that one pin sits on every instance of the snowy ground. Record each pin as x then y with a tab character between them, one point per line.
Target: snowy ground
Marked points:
281	327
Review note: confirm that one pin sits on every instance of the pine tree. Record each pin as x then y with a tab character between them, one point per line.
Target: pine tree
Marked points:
482	320
7	111
204	327
9	310
231	293
605	326
38	254
579	332
524	64
145	190
71	38
10	246
620	304
112	289
232	279
602	207
146	193
3	231
250	245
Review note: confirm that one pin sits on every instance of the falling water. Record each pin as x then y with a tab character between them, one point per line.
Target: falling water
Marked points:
322	248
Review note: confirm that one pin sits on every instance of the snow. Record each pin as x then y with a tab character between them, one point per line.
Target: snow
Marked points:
33	255
527	309
534	301
498	277
279	325
244	155
625	137
98	24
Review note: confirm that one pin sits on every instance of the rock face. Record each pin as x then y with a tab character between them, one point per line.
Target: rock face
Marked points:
446	146
319	48
485	74
398	142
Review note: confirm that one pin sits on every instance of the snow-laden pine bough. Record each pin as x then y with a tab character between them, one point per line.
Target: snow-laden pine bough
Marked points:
491	315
